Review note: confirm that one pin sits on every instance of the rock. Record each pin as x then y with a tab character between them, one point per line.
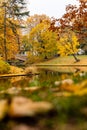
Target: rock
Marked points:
65	81
21	106
13	90
57	83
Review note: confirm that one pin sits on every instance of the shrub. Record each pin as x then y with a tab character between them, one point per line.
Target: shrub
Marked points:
15	70
31	70
4	67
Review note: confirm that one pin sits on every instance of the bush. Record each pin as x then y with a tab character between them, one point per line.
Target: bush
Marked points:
4	67
16	70
31	59
31	70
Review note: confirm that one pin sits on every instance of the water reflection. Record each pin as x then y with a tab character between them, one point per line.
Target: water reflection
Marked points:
46	78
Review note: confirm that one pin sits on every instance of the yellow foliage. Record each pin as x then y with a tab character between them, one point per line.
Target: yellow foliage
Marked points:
16	70
68	44
11	39
42	41
76	89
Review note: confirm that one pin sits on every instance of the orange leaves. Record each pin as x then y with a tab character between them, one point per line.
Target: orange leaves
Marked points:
75	18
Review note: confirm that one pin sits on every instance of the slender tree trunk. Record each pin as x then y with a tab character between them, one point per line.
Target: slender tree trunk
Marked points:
5	48
76	59
18	41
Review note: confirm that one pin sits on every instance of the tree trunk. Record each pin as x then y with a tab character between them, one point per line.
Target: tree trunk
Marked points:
5	48
76	59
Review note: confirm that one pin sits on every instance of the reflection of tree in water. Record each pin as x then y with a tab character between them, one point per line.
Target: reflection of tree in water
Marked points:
77	70
48	77
21	81
5	83
80	72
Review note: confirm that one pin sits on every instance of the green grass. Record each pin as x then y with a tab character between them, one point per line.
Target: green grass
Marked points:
65	64
66	60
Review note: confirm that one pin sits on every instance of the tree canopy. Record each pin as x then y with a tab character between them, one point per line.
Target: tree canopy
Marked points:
42	41
75	18
12	11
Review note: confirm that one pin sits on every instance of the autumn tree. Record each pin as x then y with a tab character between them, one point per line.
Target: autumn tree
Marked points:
13	10
11	42
32	21
42	41
68	44
25	43
75	19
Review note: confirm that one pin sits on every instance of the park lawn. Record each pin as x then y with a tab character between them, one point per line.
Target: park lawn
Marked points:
65	64
66	60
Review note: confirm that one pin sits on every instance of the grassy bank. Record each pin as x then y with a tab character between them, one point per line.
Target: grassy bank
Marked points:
65	64
66	60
